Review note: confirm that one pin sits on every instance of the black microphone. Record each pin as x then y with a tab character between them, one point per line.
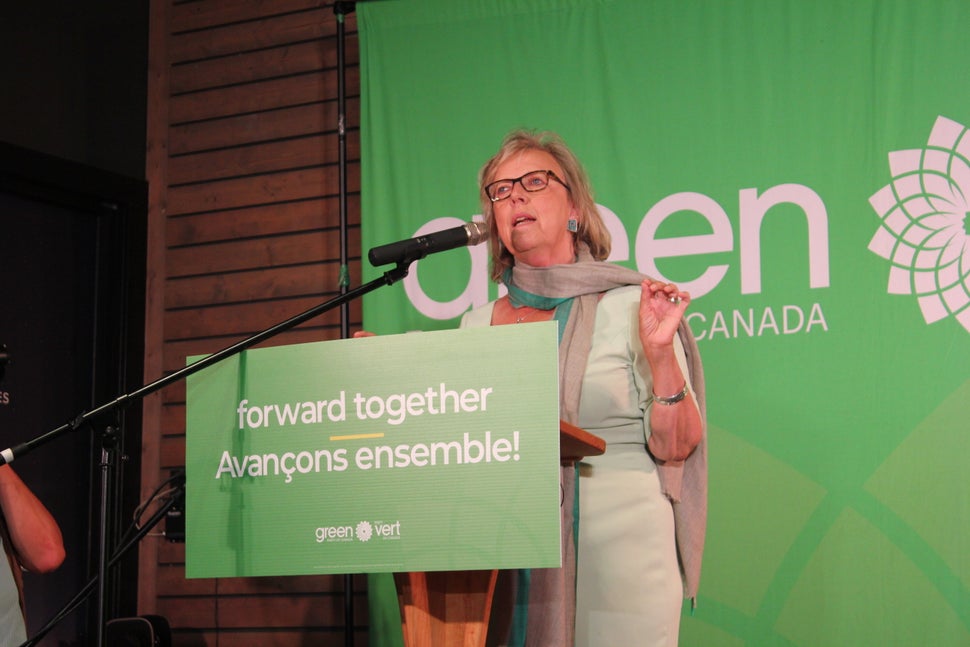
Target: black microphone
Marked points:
414	249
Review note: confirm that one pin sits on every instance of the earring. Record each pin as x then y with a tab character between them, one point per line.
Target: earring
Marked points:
572	225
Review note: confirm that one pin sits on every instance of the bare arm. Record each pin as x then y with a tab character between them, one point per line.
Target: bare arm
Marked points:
35	534
675	429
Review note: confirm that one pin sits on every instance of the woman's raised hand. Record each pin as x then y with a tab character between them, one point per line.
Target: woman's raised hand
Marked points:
662	308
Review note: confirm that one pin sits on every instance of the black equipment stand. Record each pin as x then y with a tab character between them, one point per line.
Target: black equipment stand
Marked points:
341	9
121	552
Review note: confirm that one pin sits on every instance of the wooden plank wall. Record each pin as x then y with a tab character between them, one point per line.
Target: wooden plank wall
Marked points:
243	151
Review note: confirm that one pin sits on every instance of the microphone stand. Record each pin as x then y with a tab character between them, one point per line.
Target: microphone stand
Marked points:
340	9
9	455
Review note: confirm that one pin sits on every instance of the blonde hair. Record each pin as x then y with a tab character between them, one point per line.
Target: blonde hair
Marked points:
591	228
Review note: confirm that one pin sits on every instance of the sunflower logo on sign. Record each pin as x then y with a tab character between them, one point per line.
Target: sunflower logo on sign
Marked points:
925	230
364	531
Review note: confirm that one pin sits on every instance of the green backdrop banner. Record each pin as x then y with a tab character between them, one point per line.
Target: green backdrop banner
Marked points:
403	453
801	166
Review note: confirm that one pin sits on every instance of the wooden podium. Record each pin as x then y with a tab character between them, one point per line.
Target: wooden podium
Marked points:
452	608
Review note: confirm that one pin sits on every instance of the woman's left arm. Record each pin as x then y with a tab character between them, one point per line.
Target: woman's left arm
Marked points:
675	421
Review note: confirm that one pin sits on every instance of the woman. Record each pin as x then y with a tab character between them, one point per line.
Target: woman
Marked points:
629	373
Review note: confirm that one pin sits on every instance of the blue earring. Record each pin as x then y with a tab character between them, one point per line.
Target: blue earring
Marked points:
572	225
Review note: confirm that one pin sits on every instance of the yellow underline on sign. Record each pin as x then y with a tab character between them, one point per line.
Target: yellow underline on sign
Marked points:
357	436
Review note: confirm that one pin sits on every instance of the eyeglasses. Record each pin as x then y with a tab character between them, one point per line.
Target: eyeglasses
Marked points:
532	181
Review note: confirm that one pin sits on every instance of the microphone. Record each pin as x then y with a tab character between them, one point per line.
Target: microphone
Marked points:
413	249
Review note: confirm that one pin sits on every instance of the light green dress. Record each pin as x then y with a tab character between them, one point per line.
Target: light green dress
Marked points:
629	589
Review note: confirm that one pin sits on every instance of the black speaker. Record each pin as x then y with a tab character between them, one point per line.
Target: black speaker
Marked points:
143	631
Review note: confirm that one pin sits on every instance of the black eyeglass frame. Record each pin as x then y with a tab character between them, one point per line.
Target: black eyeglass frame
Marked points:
519	179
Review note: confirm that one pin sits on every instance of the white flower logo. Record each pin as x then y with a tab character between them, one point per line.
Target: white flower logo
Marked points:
925	230
364	531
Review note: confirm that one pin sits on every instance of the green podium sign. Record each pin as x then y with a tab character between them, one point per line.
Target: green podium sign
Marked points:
429	451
